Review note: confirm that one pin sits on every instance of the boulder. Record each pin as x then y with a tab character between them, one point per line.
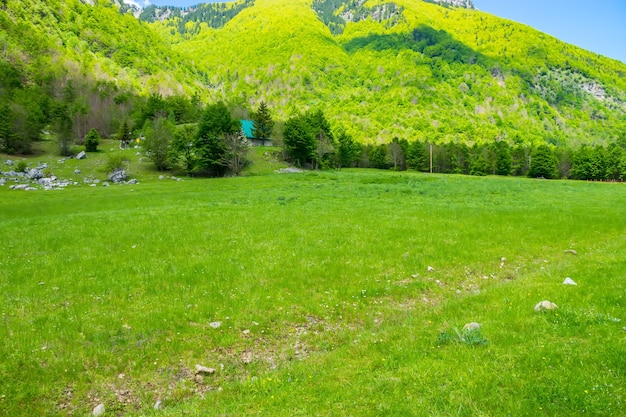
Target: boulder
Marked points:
118	176
34	173
81	155
98	410
569	281
471	326
8	162
545	305
76	171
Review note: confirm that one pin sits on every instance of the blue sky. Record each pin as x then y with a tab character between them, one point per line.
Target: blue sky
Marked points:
596	25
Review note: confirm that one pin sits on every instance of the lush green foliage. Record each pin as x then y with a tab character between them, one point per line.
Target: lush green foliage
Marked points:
92	140
380	70
321	284
263	124
158	135
436	74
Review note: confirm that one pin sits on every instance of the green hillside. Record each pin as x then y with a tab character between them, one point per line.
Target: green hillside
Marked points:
406	69
409	69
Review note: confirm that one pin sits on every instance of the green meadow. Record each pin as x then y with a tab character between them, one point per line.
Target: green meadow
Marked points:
340	293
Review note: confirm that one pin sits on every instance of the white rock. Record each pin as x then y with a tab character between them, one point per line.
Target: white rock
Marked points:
545	305
430	268
81	155
569	281
98	410
572	251
215	324
471	326
204	370
157	405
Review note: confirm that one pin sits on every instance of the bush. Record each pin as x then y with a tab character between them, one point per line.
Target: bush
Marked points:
21	166
92	140
116	161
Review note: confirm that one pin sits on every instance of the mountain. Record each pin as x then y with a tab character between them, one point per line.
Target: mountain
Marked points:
406	68
411	69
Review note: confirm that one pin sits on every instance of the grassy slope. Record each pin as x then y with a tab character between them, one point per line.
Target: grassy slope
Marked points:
321	283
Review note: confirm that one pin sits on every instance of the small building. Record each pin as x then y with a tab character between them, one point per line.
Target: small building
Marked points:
248	126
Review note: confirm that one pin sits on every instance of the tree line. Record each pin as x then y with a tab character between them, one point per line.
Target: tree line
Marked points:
180	131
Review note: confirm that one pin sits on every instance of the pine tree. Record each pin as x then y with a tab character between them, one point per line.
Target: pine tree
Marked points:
263	124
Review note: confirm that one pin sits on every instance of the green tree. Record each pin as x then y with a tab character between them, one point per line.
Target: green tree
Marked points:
92	140
124	135
62	125
183	150
543	163
6	130
504	159
417	157
299	140
158	133
347	149
210	146
262	122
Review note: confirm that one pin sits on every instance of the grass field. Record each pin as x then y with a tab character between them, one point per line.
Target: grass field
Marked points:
321	283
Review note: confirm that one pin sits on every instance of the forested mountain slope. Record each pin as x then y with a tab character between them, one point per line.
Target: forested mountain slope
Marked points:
382	69
408	68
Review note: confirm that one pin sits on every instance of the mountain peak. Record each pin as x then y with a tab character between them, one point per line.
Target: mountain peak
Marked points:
466	4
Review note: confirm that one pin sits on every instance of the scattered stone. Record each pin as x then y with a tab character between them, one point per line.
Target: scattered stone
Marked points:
161	177
8	162
2	182
106	184
545	305
98	410
76	171
19	187
93	185
96	181
158	405
289	170
42	166
569	281
34	174
430	268
81	155
572	251
117	176
215	324
133	181
624	329
471	326
204	370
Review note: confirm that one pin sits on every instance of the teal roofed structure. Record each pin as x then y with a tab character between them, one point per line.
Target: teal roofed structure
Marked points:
248	128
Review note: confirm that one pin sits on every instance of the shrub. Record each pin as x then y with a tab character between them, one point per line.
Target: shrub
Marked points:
92	140
116	161
21	166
